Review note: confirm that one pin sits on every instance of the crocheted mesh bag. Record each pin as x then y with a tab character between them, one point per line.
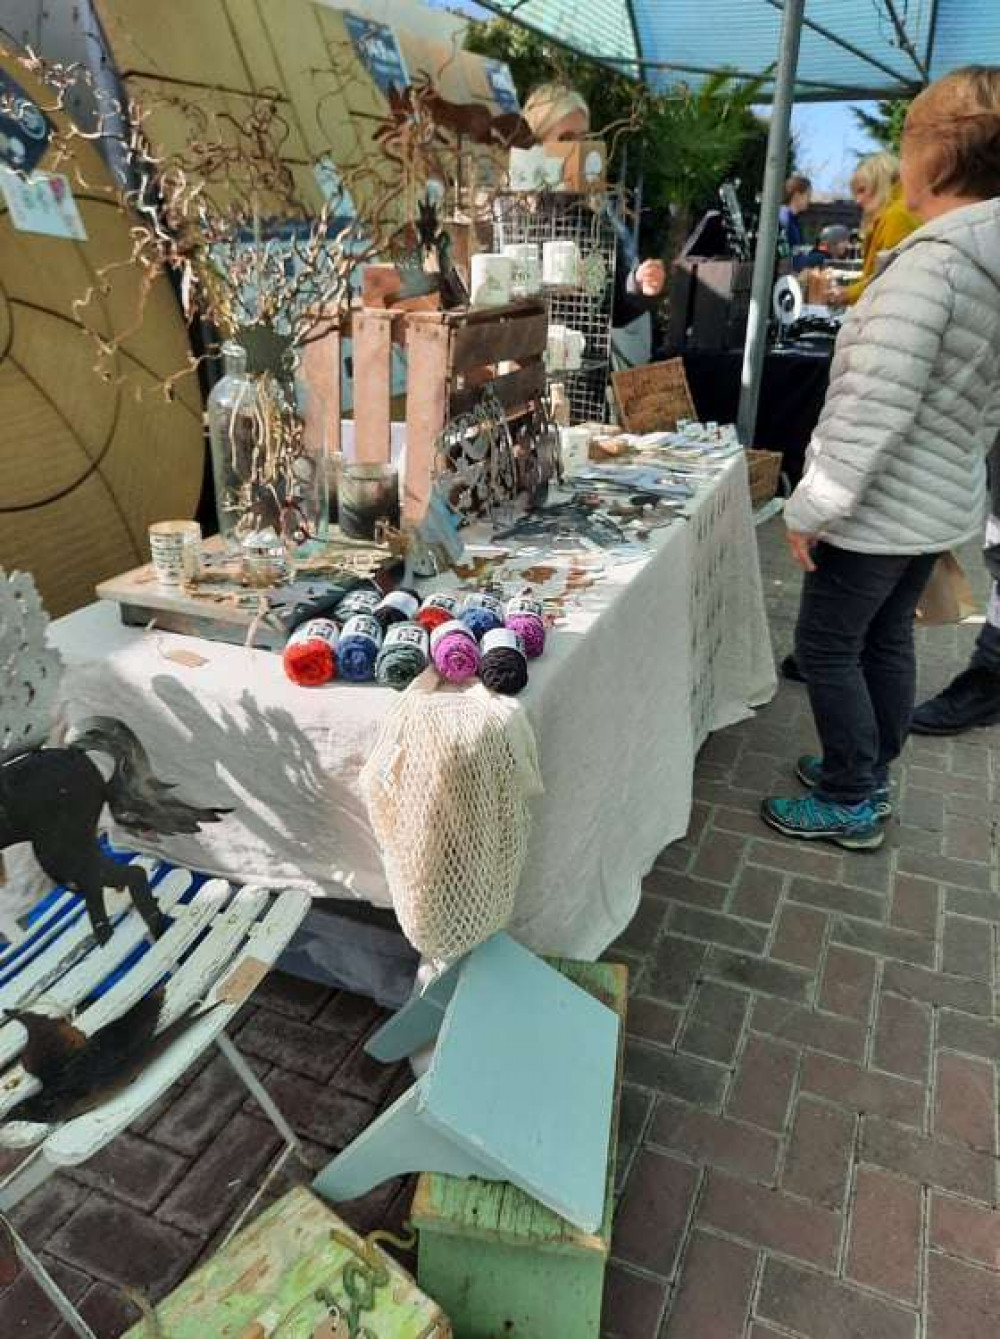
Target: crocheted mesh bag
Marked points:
447	787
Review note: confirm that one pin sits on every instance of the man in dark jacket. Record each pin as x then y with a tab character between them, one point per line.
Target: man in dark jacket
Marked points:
973	698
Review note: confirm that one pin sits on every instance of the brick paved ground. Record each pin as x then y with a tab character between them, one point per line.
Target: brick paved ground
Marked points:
809	1121
810	1109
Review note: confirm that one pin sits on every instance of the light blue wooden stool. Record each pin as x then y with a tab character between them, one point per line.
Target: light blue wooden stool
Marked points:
520	1087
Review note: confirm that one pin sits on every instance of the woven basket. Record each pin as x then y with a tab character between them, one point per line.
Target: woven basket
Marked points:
653	398
765	475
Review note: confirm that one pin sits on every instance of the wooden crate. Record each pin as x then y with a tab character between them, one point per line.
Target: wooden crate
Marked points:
653	398
765	475
284	1265
494	1258
450	357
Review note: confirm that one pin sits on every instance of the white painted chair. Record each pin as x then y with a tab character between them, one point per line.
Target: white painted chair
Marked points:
218	948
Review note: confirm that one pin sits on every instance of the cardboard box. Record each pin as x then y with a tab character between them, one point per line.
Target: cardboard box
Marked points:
585	164
577	166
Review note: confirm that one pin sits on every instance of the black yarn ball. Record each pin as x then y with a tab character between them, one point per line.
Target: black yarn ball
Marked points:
504	670
387	613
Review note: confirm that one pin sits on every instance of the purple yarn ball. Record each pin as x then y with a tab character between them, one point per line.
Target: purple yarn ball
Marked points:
531	630
456	657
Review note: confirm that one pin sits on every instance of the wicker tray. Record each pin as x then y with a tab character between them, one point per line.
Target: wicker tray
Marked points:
765	475
653	398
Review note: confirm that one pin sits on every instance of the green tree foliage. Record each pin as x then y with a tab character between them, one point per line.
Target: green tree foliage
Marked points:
685	141
885	124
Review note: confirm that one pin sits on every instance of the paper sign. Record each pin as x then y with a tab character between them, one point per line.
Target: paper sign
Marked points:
502	86
378	50
42	203
24	127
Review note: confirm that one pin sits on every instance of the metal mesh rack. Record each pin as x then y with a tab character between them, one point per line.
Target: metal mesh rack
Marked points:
542	218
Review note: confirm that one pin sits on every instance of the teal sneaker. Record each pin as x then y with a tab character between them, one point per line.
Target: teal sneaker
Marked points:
809	768
854	826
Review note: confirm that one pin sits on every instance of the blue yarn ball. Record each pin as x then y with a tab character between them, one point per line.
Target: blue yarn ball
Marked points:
356	658
480	621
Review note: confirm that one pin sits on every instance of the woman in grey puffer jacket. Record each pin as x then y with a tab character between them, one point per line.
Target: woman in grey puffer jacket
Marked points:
895	473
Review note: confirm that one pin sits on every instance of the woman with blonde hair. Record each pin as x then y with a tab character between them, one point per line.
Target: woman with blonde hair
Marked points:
887	221
896	469
557	113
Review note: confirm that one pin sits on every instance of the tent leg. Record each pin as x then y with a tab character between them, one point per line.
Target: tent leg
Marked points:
767	232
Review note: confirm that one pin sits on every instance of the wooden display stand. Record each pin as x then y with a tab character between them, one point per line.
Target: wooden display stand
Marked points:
495	1259
451	356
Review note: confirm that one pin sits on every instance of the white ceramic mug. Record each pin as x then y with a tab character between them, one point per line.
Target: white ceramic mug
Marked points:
176	551
574	447
575	344
555	348
492	280
561	264
527	268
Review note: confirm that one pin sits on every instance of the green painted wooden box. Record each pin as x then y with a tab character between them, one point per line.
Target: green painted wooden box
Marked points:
267	1282
500	1264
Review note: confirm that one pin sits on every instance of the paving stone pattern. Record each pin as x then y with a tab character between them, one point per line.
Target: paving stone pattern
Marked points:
809	1118
810	1122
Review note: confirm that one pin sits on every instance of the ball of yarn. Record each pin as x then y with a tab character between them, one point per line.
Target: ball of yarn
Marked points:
360	601
437	609
531	629
404	654
310	654
481	614
399	606
433	616
504	667
357	651
455	652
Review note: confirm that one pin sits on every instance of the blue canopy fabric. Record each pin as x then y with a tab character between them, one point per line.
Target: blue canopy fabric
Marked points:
849	49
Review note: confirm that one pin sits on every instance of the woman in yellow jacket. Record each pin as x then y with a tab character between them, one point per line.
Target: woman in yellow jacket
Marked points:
875	186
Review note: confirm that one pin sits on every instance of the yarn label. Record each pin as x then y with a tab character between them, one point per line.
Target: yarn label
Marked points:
402	600
525	604
316	629
503	639
358	602
449	603
480	600
363	625
407	634
449	629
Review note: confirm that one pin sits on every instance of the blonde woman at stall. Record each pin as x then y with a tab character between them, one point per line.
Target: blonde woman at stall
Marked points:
887	221
896	469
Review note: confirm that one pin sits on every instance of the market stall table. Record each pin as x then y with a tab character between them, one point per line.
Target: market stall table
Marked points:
651	657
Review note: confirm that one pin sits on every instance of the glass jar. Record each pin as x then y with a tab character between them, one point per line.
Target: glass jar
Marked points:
368	497
266	477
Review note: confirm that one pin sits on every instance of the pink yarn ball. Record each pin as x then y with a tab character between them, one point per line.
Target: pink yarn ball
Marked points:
456	657
531	630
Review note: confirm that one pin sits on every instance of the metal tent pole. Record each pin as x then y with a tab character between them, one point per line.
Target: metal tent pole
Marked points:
767	230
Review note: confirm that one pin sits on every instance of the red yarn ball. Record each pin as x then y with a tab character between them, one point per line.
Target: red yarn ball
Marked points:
310	663
433	616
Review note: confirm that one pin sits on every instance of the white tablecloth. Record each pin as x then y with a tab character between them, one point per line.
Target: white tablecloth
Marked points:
657	654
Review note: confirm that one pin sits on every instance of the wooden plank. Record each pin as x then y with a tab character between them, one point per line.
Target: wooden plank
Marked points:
515	391
191	920
514	339
372	386
320	374
426	413
501	1213
80	1139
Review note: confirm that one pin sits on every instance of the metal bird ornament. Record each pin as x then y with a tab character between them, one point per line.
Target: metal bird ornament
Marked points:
54	797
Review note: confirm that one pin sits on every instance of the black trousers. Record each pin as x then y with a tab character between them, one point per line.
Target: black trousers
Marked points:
854	643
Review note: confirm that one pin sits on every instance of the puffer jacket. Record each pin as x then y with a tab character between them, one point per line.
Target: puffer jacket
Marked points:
897	461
